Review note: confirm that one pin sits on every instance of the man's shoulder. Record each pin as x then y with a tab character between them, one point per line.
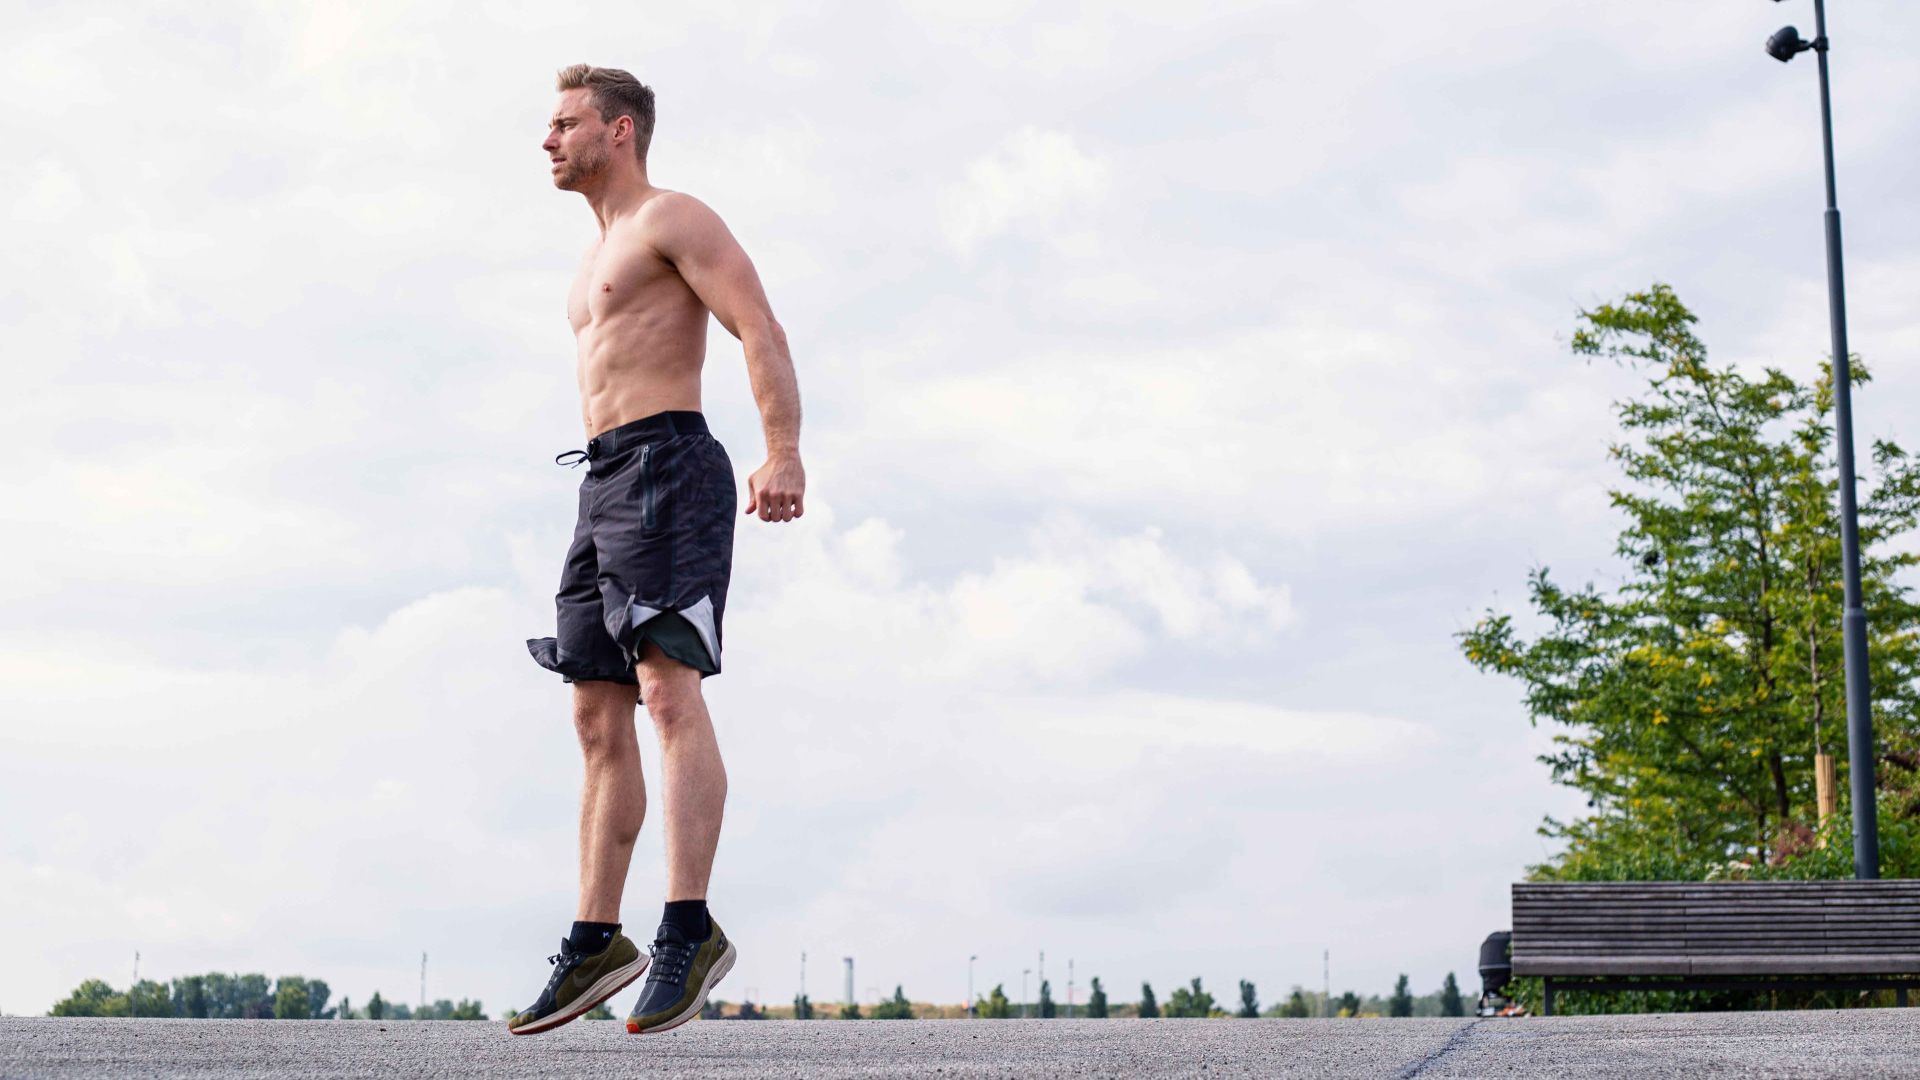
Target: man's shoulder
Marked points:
668	207
675	223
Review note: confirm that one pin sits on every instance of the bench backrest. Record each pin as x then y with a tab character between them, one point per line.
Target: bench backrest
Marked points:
1716	928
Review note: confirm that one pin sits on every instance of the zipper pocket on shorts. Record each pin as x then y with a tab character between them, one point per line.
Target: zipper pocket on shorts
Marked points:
646	486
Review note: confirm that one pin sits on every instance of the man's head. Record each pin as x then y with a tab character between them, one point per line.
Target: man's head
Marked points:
602	112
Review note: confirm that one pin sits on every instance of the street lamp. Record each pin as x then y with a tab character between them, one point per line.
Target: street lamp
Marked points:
1783	46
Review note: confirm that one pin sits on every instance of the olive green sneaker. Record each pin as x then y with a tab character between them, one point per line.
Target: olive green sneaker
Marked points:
682	975
580	981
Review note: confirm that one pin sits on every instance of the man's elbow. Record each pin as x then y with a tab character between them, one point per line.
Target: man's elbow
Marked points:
764	332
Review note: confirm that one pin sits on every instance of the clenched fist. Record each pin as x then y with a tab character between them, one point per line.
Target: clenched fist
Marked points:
777	490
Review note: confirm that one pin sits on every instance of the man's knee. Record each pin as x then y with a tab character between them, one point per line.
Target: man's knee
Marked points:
603	718
671	693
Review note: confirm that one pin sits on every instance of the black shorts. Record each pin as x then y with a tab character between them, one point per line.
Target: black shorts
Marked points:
651	554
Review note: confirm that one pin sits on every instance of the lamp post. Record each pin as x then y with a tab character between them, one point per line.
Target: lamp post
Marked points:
1783	46
971	1013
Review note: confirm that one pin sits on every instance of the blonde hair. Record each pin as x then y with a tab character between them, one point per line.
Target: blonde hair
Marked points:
617	93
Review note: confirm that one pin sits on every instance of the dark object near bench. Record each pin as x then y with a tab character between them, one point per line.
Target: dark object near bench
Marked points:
1718	935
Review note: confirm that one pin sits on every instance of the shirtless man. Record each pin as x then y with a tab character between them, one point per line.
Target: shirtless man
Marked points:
645	582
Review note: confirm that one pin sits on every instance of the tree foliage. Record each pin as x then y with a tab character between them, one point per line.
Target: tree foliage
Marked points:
895	1008
1694	695
995	1005
1401	1003
1190	1001
1097	1001
1451	1003
1249	1001
1148	1006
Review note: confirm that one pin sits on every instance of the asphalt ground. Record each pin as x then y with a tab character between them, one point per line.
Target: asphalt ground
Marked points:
1849	1043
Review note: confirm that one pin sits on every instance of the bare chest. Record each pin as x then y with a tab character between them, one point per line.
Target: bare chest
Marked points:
620	278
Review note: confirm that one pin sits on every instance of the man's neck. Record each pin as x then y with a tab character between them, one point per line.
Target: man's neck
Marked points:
620	195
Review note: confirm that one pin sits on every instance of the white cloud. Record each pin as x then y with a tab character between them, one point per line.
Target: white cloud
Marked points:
1030	181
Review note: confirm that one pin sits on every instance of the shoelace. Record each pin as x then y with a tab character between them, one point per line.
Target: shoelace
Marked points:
670	961
563	963
579	458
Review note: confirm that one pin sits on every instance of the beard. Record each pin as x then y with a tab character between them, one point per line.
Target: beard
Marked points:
581	168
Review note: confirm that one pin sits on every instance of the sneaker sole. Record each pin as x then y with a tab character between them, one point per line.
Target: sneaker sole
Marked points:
610	984
718	972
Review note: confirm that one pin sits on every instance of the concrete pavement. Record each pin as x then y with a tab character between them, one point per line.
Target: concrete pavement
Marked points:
1849	1043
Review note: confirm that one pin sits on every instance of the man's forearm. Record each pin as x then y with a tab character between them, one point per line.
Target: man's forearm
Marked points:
775	389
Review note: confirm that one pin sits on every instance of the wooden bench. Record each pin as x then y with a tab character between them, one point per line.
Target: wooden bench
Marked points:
1718	935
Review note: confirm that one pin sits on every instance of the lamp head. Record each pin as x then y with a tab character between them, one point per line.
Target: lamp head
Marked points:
1786	43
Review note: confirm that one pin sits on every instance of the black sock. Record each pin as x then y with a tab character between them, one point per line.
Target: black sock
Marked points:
689	917
592	937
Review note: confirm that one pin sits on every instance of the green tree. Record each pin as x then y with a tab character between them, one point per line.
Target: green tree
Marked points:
253	998
222	995
318	992
850	1011
376	1007
995	1005
400	1010
1249	1003
1046	1000
190	997
149	998
1296	1007
1348	1004
1451	1003
802	1007
598	1012
1696	694
290	1001
1401	1004
1097	1001
93	997
1190	1001
1148	1007
896	1008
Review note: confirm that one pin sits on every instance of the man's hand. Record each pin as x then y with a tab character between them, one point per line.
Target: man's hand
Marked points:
777	490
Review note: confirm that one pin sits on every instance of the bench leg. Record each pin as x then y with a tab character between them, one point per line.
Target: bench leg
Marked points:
1546	1005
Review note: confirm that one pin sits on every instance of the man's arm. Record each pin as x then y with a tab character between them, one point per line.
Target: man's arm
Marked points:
698	244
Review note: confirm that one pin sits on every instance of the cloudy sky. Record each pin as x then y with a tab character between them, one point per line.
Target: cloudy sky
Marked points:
1179	379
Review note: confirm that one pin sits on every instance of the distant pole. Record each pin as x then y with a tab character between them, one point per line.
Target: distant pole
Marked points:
849	961
136	981
423	981
1069	987
803	973
1024	972
1326	983
1043	967
971	1012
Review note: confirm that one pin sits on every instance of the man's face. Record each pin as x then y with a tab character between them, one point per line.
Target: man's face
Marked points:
578	144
